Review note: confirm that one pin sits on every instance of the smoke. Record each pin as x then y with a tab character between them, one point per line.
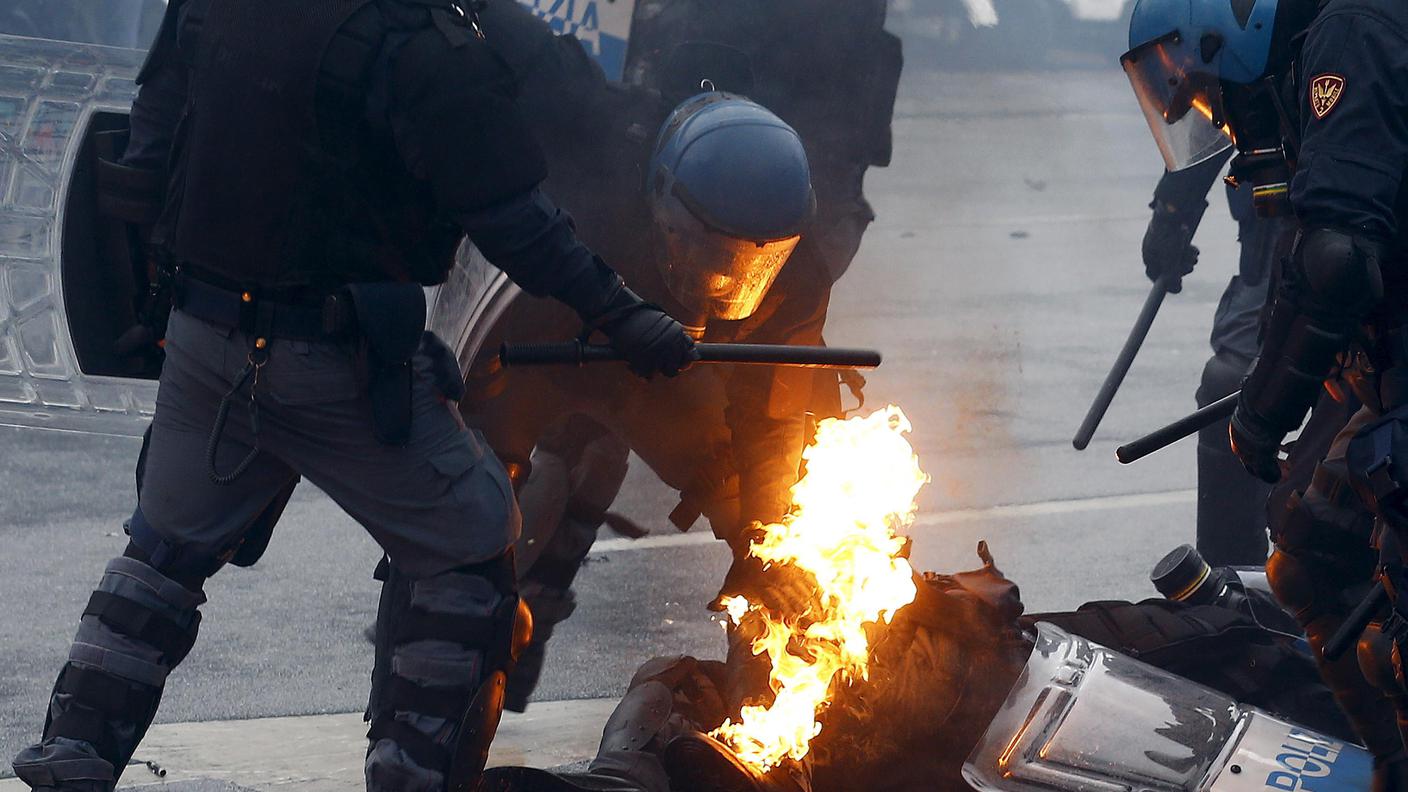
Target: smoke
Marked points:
1010	34
114	23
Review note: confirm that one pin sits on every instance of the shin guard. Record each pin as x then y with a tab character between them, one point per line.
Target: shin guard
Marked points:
139	624
444	645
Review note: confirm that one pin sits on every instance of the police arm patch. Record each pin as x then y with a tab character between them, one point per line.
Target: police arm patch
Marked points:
1325	93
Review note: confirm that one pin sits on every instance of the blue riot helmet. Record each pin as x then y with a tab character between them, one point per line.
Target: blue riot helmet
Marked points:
729	189
1185	54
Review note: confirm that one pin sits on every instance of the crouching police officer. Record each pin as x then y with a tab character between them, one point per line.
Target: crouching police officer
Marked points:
704	201
1315	95
326	158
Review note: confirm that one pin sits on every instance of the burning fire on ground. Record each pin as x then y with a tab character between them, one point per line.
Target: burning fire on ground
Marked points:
859	490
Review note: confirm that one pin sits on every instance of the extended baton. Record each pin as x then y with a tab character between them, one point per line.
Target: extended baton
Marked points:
1219	410
576	353
1348	633
1115	378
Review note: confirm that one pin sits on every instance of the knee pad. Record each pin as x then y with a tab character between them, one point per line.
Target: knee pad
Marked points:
445	644
1381	660
139	624
1322	558
549	607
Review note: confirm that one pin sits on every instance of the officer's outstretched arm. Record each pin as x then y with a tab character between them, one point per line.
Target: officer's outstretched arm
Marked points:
457	126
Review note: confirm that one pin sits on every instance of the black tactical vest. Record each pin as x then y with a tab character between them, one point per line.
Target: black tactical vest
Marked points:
279	180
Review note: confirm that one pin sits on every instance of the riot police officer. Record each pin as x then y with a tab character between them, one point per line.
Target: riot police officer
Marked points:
1231	502
656	176
326	158
1317	90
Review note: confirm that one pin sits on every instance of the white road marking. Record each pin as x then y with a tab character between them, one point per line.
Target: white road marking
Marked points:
701	535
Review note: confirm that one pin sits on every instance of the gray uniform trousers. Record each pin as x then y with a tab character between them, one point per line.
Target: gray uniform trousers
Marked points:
440	506
440	502
1231	502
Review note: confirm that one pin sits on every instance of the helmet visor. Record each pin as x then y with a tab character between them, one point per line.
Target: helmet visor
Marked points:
718	276
1181	99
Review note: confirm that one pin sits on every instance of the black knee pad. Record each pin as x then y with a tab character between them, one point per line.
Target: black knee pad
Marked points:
1381	660
1323	560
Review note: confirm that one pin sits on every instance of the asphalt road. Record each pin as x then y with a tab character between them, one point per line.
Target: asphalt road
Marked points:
1000	280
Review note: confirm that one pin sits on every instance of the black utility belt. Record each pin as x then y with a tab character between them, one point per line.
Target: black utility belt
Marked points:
386	318
330	318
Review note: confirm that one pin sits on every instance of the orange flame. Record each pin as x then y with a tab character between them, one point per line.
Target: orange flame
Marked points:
859	490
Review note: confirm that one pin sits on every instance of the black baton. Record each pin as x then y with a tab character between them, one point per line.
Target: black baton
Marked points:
1152	303
576	353
1219	410
1348	633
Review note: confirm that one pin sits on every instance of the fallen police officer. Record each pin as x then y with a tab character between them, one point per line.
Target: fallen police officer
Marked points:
915	721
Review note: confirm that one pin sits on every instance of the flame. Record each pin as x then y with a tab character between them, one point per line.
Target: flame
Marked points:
859	490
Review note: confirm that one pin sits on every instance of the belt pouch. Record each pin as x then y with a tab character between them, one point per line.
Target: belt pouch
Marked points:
391	319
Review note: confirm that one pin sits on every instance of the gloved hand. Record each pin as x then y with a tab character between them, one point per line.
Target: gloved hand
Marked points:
781	588
651	341
1168	247
1256	444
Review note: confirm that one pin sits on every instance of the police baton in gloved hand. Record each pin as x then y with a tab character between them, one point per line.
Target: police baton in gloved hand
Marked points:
577	353
1186	426
1115	378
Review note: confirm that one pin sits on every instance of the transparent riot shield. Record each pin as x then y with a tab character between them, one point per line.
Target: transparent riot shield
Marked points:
58	311
464	309
1083	718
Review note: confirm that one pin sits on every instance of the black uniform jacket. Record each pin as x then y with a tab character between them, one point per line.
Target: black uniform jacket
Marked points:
1352	80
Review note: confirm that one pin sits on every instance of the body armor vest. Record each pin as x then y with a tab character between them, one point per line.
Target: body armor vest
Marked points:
279	179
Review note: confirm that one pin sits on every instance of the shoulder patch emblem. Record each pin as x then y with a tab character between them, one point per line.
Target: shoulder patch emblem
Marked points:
1325	93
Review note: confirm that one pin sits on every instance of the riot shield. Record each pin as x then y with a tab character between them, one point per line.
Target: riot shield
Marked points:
61	305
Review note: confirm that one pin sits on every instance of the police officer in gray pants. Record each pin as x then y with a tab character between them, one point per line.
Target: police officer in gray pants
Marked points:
1231	502
326	159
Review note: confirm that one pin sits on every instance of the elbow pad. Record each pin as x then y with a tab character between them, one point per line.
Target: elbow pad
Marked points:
1338	274
1332	283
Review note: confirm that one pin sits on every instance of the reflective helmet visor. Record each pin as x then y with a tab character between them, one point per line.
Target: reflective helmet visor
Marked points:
1181	99
716	275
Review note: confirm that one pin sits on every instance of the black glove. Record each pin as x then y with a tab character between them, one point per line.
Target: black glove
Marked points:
1256	444
651	340
781	588
1168	247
